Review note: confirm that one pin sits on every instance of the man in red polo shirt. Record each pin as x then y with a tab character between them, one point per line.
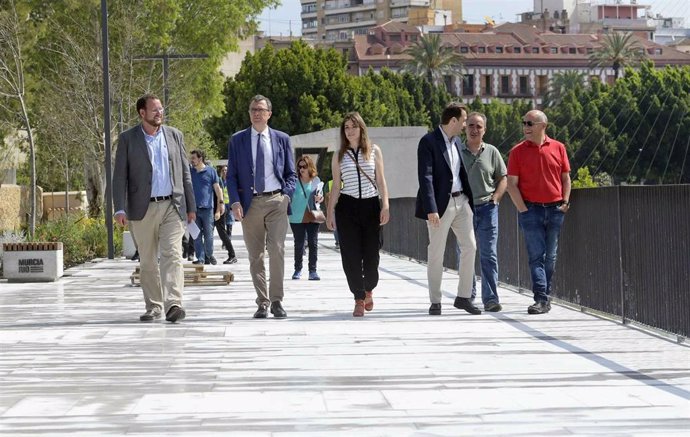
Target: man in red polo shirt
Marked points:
539	185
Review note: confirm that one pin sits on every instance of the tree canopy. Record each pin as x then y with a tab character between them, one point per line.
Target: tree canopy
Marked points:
310	90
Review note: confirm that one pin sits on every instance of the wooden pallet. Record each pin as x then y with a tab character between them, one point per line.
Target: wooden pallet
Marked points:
194	274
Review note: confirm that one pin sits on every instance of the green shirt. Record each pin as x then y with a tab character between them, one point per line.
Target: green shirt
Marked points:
484	170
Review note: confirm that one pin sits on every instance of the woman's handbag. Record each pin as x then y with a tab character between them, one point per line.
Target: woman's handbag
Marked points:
311	215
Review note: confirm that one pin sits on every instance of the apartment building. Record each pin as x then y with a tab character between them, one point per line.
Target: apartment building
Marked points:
507	62
338	20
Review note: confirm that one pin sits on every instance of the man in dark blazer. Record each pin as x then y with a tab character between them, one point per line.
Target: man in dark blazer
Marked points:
444	200
152	191
261	180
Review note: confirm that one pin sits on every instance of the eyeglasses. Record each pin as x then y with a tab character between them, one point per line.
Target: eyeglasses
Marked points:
157	110
258	110
301	166
530	123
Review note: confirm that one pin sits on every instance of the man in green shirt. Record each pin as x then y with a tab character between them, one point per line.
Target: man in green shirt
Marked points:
487	176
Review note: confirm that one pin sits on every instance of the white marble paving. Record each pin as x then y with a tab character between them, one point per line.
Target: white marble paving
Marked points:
74	360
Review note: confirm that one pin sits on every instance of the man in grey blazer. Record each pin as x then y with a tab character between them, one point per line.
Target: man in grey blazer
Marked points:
152	191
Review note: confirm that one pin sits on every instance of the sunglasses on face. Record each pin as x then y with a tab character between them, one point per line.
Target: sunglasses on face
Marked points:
530	123
301	166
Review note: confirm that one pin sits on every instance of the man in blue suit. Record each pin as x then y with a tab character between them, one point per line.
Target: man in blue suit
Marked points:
261	179
444	200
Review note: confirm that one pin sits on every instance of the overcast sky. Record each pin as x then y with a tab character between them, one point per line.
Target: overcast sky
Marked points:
280	21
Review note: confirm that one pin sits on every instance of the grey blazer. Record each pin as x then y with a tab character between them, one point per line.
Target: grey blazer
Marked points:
133	172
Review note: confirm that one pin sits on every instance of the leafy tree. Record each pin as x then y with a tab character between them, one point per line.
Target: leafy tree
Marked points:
13	89
561	84
618	50
433	60
67	67
311	90
584	179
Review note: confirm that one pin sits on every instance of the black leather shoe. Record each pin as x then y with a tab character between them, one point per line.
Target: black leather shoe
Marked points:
231	260
539	308
277	310
262	312
464	303
212	260
493	307
175	313
197	262
135	257
150	315
435	309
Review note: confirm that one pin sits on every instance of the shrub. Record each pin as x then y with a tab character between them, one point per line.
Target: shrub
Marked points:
83	238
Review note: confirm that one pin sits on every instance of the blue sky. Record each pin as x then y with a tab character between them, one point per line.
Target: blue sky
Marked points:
280	21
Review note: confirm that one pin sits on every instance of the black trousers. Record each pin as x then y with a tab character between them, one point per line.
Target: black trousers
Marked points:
312	233
358	222
223	234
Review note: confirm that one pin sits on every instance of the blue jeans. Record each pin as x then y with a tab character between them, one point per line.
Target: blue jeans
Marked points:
486	234
203	245
311	231
541	226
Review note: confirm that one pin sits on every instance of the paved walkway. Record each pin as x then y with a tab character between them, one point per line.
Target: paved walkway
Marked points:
74	360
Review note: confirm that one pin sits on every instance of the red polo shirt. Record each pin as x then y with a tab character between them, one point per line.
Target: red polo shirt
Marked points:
539	169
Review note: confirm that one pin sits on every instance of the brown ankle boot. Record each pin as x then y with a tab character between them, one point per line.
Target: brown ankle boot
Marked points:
368	301
359	308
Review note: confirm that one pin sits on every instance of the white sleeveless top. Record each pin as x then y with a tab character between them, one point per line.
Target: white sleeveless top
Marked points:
356	184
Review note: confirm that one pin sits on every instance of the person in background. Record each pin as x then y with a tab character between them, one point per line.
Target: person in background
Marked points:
221	222
359	208
307	194
208	207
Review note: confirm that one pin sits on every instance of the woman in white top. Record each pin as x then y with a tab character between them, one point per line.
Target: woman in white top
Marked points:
359	208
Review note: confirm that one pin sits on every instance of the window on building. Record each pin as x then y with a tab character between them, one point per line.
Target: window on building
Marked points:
535	50
448	81
481	49
542	84
553	50
486	84
523	84
464	49
505	85
499	49
517	49
468	85
590	50
572	50
658	51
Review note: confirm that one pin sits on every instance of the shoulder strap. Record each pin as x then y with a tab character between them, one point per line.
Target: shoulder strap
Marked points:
352	157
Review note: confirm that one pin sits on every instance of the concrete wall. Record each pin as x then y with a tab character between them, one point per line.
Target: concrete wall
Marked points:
54	203
15	204
399	148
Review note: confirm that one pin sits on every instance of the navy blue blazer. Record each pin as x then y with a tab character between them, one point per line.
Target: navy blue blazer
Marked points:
435	177
240	178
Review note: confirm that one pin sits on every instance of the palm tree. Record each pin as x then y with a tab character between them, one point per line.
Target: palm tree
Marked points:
432	60
618	50
561	84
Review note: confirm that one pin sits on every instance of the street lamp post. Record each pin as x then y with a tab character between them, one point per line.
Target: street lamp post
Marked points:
106	130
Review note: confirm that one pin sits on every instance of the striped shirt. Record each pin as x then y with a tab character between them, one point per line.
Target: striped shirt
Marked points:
356	184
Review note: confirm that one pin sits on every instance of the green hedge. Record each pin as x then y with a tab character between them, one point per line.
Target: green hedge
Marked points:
83	238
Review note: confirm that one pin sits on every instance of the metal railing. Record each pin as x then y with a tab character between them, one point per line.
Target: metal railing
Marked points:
623	250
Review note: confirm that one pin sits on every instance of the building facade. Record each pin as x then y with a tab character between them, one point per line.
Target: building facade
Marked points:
505	63
338	20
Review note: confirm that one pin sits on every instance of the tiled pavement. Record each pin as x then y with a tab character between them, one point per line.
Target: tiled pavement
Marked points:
74	360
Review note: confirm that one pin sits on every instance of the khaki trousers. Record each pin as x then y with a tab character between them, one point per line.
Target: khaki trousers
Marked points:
265	226
161	229
458	217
